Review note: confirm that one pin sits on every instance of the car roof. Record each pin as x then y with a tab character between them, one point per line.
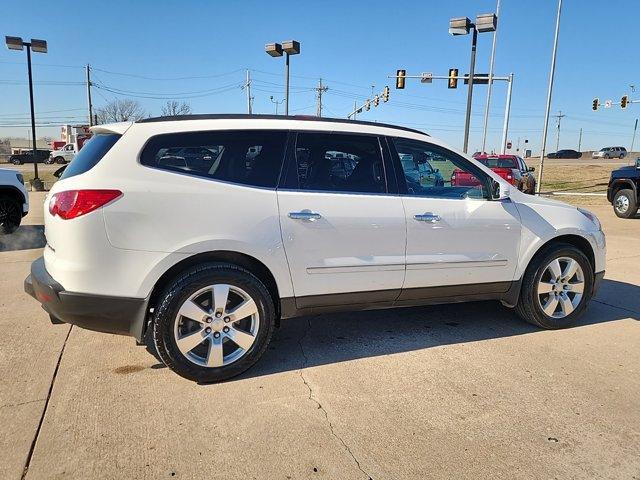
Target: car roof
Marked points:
486	155
304	118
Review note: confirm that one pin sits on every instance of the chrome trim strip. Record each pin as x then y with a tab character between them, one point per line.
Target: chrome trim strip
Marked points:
457	264
380	267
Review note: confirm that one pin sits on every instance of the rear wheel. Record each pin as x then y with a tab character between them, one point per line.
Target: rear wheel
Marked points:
625	203
213	322
59	159
556	287
10	214
16	161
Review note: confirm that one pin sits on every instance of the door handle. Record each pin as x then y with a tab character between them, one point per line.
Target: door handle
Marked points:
427	217
305	215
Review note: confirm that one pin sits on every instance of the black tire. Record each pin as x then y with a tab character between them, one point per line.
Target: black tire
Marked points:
10	214
631	203
528	306
180	289
16	161
48	161
59	160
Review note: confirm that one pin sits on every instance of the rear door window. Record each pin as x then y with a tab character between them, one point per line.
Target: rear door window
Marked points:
247	157
90	154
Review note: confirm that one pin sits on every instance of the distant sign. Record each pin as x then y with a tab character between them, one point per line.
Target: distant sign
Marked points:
478	79
608	103
426	77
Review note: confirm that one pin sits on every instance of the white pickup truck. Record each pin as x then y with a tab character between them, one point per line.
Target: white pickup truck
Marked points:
64	155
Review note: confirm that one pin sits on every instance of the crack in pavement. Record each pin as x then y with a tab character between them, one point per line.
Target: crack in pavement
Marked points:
7	405
27	463
615	306
320	407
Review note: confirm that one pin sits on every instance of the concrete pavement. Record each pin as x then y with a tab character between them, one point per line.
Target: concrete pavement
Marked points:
458	391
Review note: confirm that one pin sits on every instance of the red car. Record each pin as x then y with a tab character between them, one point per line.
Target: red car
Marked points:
510	167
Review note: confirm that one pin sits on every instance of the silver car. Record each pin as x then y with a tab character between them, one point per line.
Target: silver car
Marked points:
611	152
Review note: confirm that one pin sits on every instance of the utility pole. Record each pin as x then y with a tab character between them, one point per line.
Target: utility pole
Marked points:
90	105
247	87
320	90
355	109
552	73
633	139
467	122
493	56
580	139
507	112
559	117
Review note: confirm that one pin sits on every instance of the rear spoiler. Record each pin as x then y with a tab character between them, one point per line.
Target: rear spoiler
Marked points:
118	128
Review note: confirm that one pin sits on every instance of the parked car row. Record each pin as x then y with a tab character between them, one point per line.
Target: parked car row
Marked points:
61	156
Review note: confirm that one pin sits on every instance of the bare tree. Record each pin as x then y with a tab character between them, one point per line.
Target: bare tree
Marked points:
120	111
172	107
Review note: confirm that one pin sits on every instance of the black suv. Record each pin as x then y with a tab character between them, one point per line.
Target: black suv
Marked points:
623	189
27	157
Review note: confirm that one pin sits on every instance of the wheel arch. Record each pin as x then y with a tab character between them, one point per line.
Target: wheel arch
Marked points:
248	262
13	192
621	184
580	242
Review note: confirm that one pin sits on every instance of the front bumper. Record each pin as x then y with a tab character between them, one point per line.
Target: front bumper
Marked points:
120	315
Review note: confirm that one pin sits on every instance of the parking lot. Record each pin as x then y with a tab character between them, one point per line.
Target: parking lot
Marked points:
454	391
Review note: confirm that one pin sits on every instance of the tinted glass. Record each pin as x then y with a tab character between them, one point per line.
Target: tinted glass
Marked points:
248	157
432	171
339	163
90	154
494	162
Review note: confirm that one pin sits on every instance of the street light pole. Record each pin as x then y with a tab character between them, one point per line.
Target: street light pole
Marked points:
467	122
33	117
490	86
549	93
507	113
286	85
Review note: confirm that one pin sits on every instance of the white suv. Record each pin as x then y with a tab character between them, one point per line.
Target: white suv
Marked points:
14	200
204	231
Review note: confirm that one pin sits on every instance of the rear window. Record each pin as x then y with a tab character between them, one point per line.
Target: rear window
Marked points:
90	154
499	162
247	157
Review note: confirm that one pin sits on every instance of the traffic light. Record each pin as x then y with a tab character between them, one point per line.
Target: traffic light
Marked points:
376	100
367	105
596	104
385	94
624	101
400	74
453	78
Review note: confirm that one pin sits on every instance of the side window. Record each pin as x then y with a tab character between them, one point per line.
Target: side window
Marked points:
338	162
248	157
432	171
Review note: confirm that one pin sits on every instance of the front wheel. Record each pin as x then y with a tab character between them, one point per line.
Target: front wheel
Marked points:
556	287
16	161
59	160
213	322
625	203
10	215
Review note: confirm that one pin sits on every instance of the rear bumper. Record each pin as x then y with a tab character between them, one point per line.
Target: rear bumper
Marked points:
120	315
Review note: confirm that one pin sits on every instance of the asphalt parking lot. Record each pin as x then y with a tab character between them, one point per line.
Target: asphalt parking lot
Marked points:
456	391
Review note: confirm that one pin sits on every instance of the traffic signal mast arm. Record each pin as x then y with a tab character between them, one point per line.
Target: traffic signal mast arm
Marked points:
384	95
459	77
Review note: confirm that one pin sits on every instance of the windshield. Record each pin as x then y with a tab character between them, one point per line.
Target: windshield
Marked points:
91	153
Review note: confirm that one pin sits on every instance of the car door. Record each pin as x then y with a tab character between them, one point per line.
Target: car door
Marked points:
343	229
457	238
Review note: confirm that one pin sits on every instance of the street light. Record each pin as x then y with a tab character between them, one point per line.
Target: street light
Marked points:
39	46
462	26
276	102
290	47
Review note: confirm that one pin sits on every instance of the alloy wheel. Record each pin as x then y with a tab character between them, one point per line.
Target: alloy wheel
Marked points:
561	287
217	325
622	204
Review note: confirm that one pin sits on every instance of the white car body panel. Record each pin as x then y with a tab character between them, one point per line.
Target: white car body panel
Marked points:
360	244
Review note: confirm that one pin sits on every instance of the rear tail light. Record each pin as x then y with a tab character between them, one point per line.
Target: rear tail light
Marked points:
75	203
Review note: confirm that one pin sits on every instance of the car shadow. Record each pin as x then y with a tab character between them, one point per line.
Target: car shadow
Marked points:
326	339
24	238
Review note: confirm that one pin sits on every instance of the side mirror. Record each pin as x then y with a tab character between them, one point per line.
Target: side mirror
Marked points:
58	173
499	191
531	169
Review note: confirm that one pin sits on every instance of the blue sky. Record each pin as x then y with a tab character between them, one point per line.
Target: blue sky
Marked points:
352	45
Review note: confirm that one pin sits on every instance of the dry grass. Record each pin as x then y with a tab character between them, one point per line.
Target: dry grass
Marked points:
580	179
